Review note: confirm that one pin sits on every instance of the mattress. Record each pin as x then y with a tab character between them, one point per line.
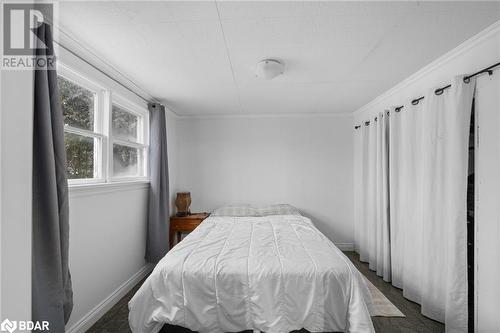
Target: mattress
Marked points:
269	273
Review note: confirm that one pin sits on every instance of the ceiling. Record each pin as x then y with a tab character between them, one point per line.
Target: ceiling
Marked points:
198	57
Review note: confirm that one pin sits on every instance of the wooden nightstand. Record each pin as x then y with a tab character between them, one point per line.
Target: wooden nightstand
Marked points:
180	224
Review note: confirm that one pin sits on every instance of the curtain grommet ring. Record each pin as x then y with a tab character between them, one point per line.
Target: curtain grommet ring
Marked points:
415	102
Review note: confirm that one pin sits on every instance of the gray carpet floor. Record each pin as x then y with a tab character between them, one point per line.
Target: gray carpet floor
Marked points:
116	320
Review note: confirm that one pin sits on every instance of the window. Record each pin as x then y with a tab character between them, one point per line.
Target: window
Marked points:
124	124
129	142
105	135
80	153
78	104
83	142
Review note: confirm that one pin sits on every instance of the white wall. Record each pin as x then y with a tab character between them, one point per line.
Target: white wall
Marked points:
473	55
302	160
108	241
107	231
107	225
107	246
16	138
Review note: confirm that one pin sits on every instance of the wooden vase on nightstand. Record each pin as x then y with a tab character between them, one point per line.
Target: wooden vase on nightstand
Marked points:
182	202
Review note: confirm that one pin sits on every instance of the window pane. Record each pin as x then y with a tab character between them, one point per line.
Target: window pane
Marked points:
124	124
77	104
126	161
80	156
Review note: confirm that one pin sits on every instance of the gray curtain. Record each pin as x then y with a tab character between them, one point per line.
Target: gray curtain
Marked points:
158	218
52	297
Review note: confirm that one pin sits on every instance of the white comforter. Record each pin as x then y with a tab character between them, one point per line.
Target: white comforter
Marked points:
272	274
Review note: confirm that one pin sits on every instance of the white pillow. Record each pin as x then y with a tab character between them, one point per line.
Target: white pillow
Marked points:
247	210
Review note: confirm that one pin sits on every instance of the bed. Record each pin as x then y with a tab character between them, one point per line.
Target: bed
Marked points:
263	269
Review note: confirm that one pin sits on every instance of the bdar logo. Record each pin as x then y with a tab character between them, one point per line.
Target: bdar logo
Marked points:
8	326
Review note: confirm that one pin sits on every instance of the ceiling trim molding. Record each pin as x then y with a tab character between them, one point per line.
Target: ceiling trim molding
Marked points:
104	65
100	63
171	112
454	53
268	115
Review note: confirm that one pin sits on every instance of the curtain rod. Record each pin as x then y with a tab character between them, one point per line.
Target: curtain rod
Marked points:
104	73
440	91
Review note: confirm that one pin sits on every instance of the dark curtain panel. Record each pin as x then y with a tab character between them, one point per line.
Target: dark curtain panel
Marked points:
158	219
52	297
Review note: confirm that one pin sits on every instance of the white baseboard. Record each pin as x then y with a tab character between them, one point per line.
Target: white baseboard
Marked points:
100	309
345	246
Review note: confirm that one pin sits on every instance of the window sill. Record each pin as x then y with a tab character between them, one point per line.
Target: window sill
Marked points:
98	188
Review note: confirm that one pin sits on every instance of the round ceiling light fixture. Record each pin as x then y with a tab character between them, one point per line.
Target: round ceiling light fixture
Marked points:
268	69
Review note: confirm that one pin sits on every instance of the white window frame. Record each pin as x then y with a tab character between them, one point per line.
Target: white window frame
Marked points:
103	151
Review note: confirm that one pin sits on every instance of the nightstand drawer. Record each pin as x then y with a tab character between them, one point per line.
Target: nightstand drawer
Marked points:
184	224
